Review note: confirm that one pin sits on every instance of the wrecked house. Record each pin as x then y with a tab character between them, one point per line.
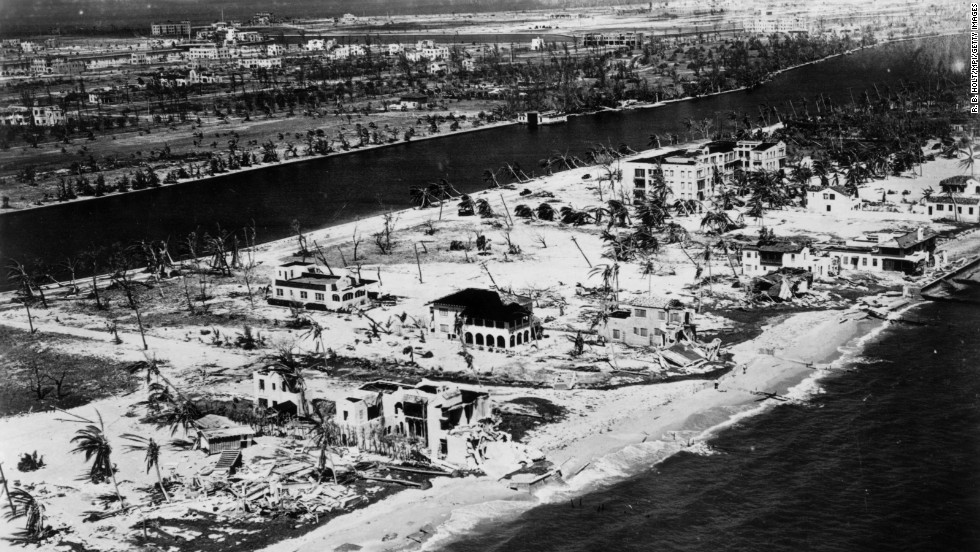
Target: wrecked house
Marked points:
279	388
648	322
217	433
688	355
910	253
442	416
305	284
783	284
485	318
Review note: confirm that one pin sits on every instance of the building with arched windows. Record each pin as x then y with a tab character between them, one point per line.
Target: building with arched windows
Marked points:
485	319
304	284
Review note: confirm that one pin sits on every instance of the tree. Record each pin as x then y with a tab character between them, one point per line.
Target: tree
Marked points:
546	212
122	276
92	441
717	221
610	278
484	209
32	510
152	449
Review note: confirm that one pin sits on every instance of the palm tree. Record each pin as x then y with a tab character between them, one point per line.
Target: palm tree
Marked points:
93	442
483	208
152	449
182	414
676	233
618	213
545	212
610	277
421	196
25	505
490	178
523	211
969	160
315	331
718	221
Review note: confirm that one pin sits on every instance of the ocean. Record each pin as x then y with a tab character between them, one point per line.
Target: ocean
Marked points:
883	453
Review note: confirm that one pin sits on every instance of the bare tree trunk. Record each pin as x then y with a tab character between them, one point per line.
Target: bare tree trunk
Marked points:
160	480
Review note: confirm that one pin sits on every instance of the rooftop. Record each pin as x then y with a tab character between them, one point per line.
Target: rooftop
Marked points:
777	247
654	302
957	199
486	303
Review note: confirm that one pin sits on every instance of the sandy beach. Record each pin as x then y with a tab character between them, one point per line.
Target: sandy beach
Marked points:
628	429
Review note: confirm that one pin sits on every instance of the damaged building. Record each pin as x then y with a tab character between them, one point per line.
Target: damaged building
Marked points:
445	418
649	322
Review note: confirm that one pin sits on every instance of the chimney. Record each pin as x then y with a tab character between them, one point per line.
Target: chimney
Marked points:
920	234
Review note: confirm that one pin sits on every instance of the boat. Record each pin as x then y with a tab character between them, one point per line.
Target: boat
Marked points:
536	118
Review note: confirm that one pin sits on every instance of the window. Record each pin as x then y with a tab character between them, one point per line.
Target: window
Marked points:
273	387
939	207
864	261
275	403
261	384
443	312
444	328
874	262
617	334
661	315
279	292
640	313
302	295
638	172
318	296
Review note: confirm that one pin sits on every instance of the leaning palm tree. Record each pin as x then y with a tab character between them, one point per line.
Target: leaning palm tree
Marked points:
93	442
523	211
23	504
152	449
610	278
545	212
717	221
484	209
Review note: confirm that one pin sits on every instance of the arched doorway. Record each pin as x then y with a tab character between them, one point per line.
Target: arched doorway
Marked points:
468	338
479	339
500	342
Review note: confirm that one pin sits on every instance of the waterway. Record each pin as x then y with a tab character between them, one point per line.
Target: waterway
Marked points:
325	191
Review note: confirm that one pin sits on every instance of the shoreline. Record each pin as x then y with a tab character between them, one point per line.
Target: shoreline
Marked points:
658	420
447	134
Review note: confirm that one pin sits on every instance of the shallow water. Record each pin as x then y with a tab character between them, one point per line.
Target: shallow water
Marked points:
883	455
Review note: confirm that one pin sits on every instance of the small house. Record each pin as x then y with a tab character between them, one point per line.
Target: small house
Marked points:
955	206
762	258
960	184
217	433
279	388
909	252
830	199
648	322
412	101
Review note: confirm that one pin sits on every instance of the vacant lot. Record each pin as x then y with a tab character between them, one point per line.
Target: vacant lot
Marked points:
35	374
